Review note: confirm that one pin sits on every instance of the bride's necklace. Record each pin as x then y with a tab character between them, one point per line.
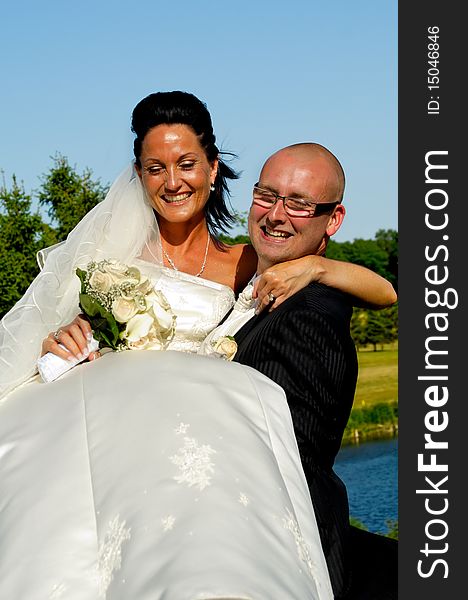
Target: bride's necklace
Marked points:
171	262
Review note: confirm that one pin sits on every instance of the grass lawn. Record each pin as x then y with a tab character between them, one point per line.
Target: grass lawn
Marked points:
378	377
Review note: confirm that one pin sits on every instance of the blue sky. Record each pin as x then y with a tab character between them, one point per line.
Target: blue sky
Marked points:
271	73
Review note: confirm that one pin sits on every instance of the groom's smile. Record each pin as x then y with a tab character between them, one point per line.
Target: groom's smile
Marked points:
275	234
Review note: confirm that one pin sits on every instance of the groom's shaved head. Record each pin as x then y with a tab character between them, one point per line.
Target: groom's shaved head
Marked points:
310	153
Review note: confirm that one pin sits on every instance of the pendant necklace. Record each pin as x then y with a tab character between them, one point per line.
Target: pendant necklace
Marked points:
171	262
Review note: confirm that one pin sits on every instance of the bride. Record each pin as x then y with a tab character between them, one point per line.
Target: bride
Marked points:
155	474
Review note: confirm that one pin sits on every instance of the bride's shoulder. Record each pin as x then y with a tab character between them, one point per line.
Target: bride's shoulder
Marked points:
244	262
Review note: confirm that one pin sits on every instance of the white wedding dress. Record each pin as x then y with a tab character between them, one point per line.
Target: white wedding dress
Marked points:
152	475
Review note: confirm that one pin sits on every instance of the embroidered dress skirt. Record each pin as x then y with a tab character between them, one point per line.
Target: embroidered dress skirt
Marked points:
155	475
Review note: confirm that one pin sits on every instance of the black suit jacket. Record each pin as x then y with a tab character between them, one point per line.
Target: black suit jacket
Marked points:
305	346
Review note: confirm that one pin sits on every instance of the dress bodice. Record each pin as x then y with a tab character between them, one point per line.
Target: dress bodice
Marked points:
199	304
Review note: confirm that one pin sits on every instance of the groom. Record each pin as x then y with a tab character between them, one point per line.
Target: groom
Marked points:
305	346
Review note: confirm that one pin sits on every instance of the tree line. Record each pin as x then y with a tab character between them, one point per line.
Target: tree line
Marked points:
372	327
65	196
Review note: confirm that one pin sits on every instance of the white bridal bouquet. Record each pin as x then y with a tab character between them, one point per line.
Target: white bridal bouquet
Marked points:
124	310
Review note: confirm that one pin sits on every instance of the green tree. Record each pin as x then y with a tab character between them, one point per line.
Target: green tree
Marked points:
374	327
68	196
392	529
357	523
237	239
361	252
22	235
387	240
240	222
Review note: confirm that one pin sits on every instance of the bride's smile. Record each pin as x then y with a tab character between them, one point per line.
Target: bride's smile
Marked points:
176	198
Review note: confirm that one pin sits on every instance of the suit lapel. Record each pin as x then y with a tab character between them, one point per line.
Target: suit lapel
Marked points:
251	324
246	329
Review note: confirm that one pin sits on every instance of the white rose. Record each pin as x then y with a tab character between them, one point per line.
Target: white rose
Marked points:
114	267
138	327
164	318
130	280
154	340
160	298
155	344
127	280
144	285
226	346
124	309
150	342
158	305
141	344
101	282
120	273
134	273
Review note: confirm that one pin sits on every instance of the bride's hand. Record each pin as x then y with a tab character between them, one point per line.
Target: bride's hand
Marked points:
279	282
74	337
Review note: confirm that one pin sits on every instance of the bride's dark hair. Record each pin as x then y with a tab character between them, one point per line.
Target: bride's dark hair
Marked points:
166	108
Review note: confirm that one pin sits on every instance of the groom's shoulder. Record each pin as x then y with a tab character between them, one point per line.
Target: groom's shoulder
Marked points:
321	299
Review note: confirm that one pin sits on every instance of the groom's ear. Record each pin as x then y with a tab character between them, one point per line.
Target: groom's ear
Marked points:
335	220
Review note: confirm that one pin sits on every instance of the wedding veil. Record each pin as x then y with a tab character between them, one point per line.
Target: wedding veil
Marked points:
123	226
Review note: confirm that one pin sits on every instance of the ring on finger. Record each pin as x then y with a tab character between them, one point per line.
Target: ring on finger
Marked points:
271	298
57	334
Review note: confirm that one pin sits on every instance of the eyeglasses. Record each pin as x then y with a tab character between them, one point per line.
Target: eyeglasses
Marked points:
294	207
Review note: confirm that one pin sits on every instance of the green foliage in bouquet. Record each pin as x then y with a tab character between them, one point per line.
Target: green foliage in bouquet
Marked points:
105	328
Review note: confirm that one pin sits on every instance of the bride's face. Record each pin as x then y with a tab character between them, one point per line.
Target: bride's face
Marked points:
176	173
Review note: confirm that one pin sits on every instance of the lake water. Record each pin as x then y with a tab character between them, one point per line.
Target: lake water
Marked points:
370	473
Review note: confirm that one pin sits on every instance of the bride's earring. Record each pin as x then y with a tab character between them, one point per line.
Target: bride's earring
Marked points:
212	187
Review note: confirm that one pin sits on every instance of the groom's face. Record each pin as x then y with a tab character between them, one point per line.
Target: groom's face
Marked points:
278	236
